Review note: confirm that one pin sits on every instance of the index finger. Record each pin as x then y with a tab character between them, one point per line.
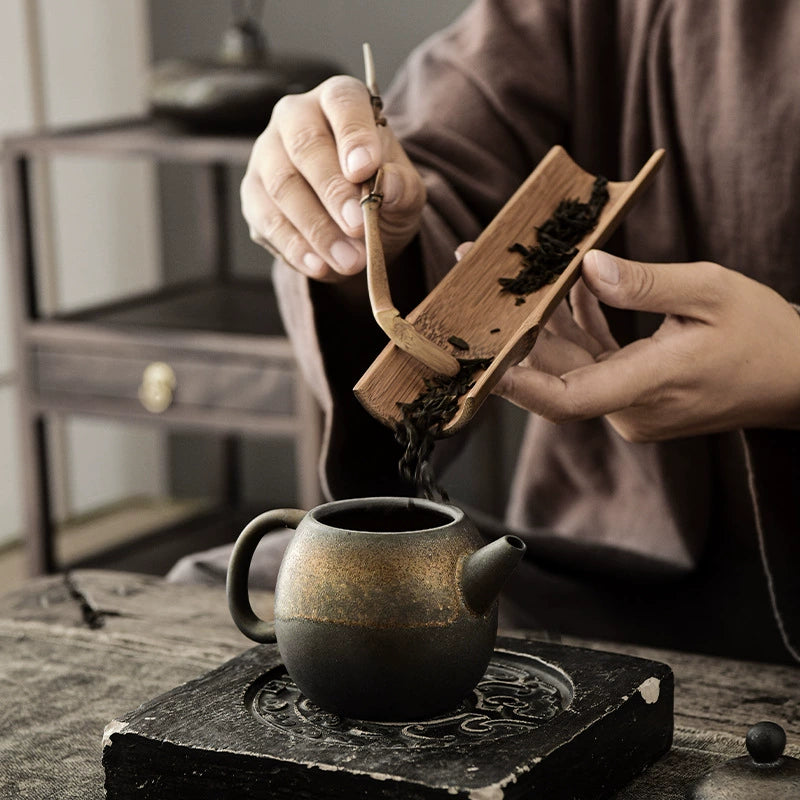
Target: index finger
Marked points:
345	102
626	378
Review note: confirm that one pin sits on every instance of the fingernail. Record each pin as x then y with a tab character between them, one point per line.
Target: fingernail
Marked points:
462	250
351	213
313	263
345	255
605	267
358	159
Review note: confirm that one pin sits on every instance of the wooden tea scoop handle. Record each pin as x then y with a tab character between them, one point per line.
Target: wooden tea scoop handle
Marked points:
399	330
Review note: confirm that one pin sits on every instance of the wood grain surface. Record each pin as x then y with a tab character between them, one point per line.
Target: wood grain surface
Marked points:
468	303
79	650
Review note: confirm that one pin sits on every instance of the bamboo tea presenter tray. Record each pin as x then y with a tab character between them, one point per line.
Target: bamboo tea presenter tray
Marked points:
468	306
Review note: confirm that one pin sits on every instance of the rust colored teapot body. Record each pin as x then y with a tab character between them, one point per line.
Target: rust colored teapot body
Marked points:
385	608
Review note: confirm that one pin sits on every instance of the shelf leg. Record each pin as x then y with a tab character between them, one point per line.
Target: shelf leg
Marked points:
39	527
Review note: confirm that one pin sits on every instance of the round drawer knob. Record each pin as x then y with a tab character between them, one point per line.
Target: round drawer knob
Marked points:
158	387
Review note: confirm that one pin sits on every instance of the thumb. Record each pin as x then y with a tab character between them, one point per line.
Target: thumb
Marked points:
681	289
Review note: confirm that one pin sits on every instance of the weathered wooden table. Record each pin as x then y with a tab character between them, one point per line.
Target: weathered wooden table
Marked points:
79	650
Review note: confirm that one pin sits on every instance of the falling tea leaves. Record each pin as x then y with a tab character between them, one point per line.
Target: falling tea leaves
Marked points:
425	417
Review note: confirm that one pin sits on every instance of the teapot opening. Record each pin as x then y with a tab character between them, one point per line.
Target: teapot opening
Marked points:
400	518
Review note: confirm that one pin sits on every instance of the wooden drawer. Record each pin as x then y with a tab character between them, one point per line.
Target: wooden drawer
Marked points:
113	376
232	366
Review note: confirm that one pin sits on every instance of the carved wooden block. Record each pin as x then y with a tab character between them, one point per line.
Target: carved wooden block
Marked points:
546	721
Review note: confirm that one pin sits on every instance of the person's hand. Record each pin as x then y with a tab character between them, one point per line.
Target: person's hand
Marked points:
726	356
302	189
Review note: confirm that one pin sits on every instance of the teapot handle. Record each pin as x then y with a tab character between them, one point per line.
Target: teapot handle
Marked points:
248	622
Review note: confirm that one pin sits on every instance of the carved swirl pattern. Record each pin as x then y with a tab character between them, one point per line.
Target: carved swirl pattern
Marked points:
514	696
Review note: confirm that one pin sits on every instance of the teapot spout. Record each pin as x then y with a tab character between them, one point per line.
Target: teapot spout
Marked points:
486	570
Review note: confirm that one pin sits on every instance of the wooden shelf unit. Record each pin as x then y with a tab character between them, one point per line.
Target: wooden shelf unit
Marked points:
222	337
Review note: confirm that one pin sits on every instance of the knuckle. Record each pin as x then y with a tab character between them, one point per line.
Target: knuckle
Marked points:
642	284
270	228
715	281
341	89
248	189
319	231
335	189
286	106
294	248
281	182
352	133
260	146
306	141
246	182
273	226
276	234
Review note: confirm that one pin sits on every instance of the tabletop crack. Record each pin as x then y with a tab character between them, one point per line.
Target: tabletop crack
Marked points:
93	617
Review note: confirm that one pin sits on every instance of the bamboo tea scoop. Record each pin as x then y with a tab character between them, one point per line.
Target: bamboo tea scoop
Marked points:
400	331
468	316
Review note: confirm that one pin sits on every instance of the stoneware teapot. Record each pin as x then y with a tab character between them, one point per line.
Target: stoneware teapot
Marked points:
385	607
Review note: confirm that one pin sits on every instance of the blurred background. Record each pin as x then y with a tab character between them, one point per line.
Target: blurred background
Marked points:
107	228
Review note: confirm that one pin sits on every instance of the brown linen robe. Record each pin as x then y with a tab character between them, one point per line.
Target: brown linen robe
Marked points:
691	543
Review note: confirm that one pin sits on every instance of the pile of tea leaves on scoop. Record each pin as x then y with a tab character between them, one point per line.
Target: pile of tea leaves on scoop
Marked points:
424	418
557	238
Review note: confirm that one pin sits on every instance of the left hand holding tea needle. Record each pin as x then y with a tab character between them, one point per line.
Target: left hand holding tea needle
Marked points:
726	356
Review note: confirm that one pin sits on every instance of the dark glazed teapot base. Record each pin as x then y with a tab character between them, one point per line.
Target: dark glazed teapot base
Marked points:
387	674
